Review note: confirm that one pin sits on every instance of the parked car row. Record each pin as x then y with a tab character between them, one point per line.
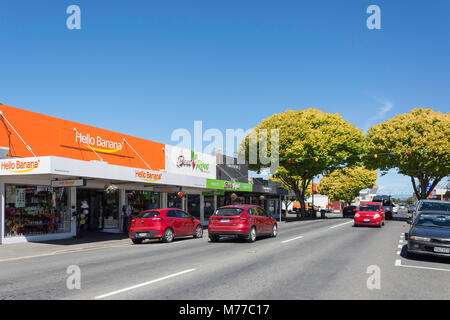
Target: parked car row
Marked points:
243	221
429	233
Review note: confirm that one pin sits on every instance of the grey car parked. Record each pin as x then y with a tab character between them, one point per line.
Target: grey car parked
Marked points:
430	234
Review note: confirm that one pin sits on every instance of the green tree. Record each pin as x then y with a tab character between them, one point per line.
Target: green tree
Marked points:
346	183
310	142
416	143
288	200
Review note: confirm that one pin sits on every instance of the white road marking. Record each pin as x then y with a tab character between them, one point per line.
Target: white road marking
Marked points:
401	241
285	241
399	252
341	224
398	263
29	257
143	284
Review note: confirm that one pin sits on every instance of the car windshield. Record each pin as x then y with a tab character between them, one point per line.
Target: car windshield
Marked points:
369	207
435	220
228	212
385	202
148	214
434	206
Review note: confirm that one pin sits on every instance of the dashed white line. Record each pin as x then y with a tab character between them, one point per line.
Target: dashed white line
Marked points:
398	263
143	284
296	238
341	224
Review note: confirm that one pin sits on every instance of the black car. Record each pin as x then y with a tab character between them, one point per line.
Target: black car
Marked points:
388	205
430	234
349	211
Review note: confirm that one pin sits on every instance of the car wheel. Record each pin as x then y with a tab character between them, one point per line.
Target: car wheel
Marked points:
168	235
252	235
274	231
137	241
214	238
198	232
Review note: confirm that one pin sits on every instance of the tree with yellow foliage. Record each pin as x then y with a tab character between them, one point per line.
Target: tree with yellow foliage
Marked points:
346	183
417	144
310	142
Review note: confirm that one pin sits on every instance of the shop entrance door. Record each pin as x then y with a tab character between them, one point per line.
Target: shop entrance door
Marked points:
103	208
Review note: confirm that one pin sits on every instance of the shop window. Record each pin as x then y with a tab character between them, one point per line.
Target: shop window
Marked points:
35	210
194	205
209	207
142	200
174	201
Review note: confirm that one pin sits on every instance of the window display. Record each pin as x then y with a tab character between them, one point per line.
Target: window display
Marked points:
142	200
35	210
174	200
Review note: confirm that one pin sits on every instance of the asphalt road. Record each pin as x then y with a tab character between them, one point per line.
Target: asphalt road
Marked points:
320	259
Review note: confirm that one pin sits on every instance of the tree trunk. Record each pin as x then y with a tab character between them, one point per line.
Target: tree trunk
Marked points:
421	193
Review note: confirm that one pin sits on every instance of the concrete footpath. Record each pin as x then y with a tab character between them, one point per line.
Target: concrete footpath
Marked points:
89	240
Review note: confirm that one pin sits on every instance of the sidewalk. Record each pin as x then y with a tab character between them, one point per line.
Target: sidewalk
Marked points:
33	249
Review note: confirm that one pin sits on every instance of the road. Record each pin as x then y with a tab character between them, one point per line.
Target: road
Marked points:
318	259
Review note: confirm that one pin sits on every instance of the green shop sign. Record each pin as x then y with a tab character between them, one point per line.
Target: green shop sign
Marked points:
228	185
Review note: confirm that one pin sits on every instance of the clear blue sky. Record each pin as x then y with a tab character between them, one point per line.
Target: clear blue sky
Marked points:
146	68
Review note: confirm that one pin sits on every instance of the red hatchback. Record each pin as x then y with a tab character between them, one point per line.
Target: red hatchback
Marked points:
369	214
164	224
244	221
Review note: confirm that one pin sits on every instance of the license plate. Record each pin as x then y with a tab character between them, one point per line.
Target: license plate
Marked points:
142	234
366	220
225	220
441	250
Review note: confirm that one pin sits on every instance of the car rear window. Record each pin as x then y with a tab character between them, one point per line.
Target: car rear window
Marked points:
228	212
369	207
148	214
434	206
435	220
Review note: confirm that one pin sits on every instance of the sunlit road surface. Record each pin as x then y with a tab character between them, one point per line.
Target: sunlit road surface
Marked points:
319	259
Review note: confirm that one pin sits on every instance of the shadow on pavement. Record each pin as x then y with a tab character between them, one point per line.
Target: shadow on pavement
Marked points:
424	258
86	237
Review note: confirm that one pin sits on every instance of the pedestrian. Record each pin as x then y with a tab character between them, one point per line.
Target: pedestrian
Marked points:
126	213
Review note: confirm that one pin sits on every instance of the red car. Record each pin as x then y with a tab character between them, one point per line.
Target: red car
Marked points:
244	221
369	214
164	224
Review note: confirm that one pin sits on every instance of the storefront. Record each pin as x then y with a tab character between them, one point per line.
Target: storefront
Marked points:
192	165
268	194
58	168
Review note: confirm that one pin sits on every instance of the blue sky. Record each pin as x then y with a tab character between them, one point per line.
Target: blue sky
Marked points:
146	68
